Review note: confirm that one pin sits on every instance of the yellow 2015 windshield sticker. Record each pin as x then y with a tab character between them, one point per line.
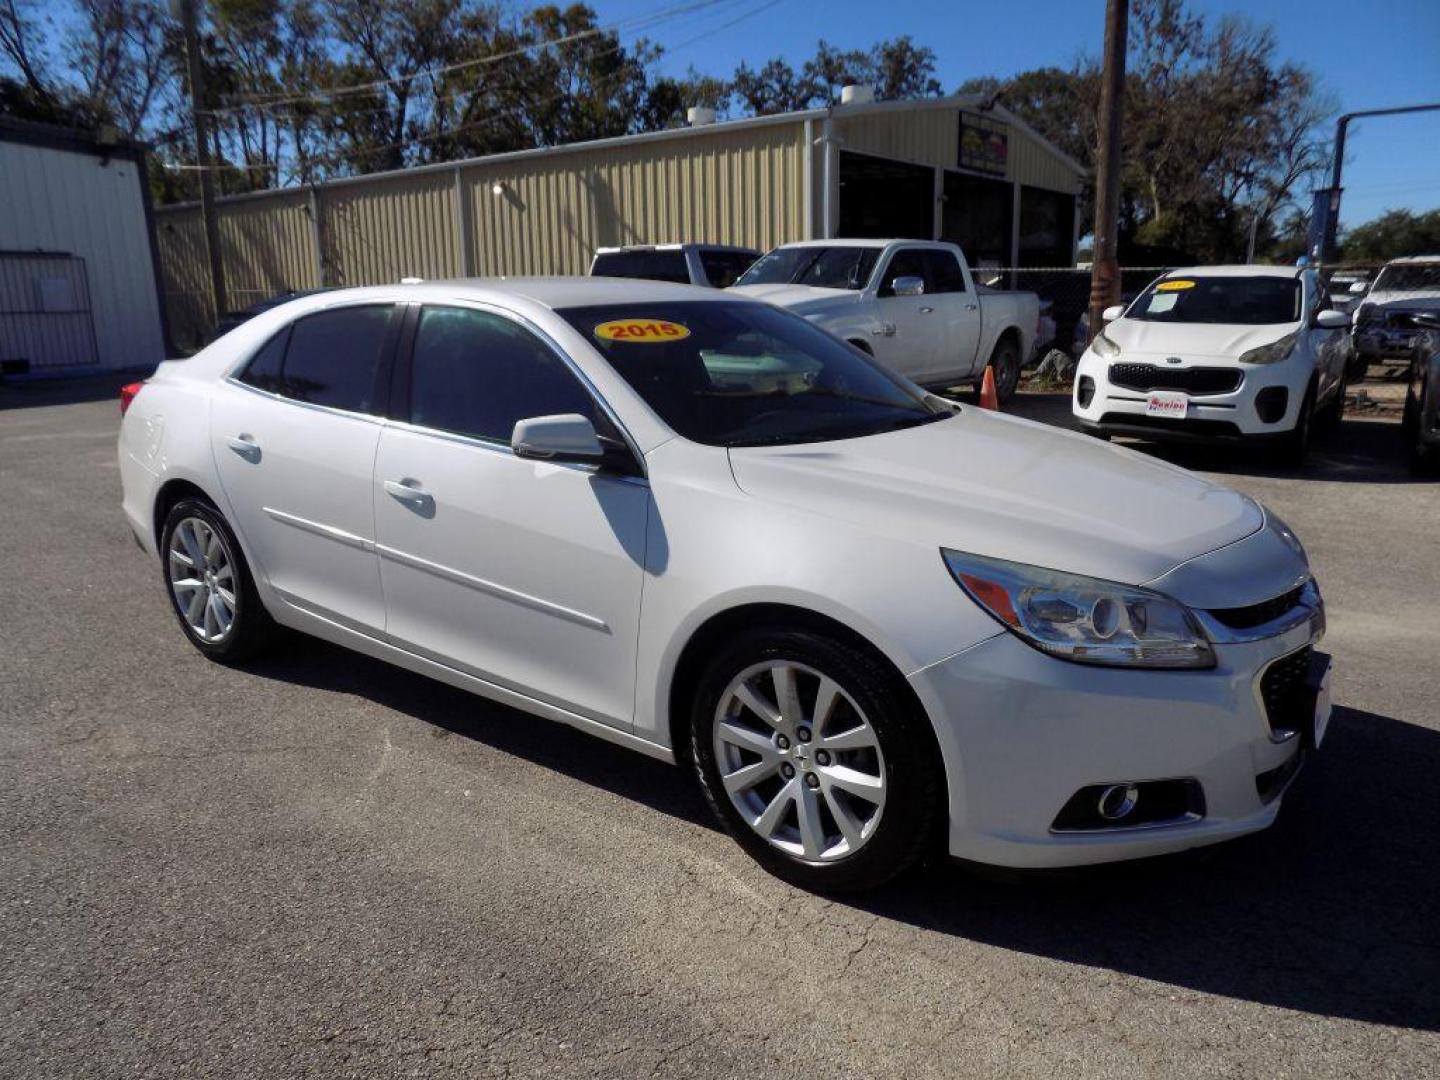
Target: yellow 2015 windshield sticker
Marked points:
641	331
1174	286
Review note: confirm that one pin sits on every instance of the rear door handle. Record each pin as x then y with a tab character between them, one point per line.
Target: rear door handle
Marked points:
971	307
926	310
245	445
884	330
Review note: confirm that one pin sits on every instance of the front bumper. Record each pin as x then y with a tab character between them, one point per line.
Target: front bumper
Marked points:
1103	406
1022	732
1379	342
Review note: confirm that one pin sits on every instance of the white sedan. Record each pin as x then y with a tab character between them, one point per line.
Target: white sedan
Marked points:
1219	353
869	621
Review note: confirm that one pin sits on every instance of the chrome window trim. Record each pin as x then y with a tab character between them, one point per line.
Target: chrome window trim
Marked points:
330	409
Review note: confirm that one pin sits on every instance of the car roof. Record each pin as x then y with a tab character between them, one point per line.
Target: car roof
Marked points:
862	243
549	292
672	247
1416	259
1239	270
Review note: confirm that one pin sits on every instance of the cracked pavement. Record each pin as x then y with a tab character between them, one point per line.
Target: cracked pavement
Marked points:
322	865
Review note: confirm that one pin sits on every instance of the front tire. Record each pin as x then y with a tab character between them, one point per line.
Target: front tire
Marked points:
815	759
1295	444
209	584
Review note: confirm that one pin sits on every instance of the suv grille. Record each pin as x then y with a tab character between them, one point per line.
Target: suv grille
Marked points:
1195	380
1247	618
1282	688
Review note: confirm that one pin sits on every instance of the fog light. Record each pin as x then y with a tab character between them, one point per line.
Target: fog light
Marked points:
1085	391
1117	801
1270	404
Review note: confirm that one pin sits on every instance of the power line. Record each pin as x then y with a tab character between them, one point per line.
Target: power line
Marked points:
340	157
265	101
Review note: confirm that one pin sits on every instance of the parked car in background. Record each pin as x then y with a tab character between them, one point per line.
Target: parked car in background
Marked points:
1347	288
912	304
1218	352
232	319
1421	423
715	265
875	623
1383	329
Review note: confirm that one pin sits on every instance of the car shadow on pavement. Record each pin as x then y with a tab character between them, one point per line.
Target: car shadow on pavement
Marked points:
308	661
1361	451
1333	911
38	393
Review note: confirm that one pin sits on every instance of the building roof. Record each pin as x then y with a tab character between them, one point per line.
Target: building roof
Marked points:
104	142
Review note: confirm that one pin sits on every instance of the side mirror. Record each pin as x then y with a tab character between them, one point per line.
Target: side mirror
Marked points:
1113	312
1332	320
908	286
568	437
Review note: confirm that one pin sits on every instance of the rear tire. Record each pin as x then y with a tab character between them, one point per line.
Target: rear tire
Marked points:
1005	361
839	789
209	584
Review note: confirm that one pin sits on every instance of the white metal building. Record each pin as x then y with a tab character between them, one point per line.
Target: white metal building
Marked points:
79	281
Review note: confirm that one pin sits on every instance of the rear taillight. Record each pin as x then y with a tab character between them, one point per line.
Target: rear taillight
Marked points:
127	395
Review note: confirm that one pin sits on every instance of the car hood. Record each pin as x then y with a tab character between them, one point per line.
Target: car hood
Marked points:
995	485
1191	339
795	296
1405	301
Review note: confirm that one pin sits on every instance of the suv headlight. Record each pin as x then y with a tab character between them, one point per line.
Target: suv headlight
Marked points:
1272	353
1105	346
1083	619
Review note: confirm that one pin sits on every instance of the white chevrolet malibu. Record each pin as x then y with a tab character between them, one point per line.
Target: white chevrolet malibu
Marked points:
698	526
1210	353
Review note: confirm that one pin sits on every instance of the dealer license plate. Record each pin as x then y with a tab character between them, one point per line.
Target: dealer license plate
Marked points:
1169	403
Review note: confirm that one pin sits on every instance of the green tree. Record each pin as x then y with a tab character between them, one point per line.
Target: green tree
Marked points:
1392	235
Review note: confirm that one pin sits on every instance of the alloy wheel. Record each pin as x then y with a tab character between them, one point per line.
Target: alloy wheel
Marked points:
799	761
202	579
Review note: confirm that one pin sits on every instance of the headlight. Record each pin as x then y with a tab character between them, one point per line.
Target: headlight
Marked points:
1272	353
1083	619
1104	346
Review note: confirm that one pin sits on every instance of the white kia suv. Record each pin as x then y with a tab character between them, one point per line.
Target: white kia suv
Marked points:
1219	353
867	620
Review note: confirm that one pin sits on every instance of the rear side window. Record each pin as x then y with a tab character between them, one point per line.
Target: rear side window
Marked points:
723	268
263	371
651	265
945	276
329	358
476	374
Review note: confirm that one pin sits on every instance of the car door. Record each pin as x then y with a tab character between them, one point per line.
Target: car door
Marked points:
908	335
527	574
956	312
294	436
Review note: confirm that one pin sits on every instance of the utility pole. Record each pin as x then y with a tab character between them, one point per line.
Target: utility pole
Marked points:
184	10
1325	211
1105	272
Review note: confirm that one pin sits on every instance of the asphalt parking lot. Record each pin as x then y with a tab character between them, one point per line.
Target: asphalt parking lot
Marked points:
323	865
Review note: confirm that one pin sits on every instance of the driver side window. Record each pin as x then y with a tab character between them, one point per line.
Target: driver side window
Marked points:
907	262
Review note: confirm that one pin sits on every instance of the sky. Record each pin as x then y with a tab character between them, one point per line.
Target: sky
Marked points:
1367	54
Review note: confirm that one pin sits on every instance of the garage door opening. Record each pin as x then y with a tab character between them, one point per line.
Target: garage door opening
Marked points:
884	199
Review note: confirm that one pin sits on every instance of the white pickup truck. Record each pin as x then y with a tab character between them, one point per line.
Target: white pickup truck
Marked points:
909	303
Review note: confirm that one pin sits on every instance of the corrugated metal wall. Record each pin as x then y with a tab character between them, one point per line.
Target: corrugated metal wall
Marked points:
930	136
740	186
61	200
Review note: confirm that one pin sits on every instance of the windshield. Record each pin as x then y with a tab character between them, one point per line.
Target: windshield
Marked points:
747	374
1234	301
1409	277
820	267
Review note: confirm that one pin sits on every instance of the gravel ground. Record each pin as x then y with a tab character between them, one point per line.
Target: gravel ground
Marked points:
323	865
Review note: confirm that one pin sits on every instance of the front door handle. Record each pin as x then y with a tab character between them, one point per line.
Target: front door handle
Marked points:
971	307
884	330
245	445
407	491
926	310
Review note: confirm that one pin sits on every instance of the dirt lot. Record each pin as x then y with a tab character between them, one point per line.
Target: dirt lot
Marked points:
323	865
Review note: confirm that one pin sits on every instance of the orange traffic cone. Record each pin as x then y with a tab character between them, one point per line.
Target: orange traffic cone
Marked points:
989	399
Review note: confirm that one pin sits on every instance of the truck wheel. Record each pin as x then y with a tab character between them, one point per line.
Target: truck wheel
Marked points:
1006	362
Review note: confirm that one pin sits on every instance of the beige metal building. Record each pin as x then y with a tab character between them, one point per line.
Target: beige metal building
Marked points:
942	168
